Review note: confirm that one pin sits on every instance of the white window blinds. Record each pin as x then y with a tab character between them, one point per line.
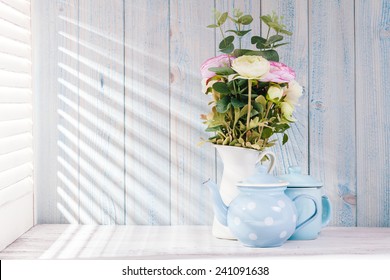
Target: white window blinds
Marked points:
16	188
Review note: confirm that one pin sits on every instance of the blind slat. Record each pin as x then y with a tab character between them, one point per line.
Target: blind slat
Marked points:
10	46
15	191
15	95
14	159
14	79
14	16
14	32
9	128
22	6
14	63
9	112
14	175
15	143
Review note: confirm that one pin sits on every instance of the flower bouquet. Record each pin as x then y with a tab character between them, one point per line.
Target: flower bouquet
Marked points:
253	94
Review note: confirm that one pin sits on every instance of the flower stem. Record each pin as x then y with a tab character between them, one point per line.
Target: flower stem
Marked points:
249	103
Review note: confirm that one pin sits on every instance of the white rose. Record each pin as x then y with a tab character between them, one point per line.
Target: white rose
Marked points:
250	66
274	92
293	92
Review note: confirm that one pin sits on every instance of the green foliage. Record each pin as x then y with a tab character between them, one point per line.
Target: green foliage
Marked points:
242	115
266	46
228	118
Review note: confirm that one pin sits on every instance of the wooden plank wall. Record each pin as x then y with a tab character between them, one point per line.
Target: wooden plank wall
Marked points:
119	98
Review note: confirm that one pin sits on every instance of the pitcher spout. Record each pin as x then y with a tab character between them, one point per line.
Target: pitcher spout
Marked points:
220	209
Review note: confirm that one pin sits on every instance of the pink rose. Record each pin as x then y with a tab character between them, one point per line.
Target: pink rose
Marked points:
279	73
218	61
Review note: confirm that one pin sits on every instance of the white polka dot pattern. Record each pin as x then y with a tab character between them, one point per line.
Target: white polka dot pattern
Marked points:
252	236
251	205
268	221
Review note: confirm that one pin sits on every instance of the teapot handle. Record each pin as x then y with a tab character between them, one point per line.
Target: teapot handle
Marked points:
326	210
272	158
313	216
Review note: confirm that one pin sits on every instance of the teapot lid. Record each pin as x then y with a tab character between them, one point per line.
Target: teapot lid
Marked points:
297	179
261	179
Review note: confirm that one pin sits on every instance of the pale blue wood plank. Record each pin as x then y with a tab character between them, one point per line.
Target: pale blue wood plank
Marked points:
331	109
295	55
190	44
56	106
147	112
372	19
101	112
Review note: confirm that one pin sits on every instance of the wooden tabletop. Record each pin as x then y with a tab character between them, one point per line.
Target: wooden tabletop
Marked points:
171	242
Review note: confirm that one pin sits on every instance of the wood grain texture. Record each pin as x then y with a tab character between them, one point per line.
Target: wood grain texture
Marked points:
295	55
101	112
120	98
67	161
56	111
331	108
185	242
372	21
147	112
190	44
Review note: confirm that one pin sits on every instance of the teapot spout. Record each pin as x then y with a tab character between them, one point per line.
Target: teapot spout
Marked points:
220	209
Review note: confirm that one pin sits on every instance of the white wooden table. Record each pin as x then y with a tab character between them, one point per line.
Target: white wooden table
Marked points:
173	242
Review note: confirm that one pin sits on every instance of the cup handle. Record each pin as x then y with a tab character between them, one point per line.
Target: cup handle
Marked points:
313	216
326	210
271	156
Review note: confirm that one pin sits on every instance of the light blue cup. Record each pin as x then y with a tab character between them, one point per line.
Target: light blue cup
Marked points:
300	184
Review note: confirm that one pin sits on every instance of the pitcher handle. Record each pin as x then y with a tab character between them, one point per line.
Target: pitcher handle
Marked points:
313	216
272	158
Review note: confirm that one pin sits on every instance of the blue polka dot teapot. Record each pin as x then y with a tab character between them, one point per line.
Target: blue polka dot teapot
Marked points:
261	215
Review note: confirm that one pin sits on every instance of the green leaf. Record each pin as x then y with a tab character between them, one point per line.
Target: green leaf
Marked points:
226	42
261	45
278	45
237	12
240	52
223	104
266	19
245	20
240	33
281	127
242	82
274	39
267	133
213	129
283	31
228	49
244	111
261	99
236	116
285	139
258	107
275	26
221	88
270	55
212	26
237	103
222	70
256	39
222	19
